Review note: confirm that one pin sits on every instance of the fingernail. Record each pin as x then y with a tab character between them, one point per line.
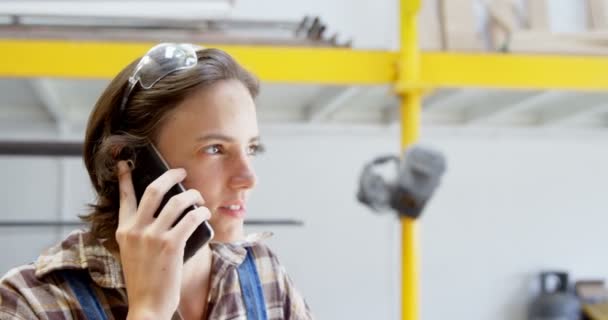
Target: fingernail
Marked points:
122	167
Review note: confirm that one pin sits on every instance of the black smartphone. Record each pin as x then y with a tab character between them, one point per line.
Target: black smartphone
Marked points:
149	165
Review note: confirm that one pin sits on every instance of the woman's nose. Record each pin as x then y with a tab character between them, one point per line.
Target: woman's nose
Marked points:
244	175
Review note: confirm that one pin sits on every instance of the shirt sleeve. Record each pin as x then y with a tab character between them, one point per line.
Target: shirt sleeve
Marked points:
13	304
295	307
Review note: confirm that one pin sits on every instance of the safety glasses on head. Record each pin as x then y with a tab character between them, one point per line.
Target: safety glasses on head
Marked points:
160	61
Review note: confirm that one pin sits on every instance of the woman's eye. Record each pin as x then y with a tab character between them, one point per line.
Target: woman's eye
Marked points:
214	149
255	149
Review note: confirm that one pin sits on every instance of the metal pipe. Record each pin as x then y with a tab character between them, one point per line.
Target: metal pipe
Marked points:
51	223
41	148
221	31
215	37
39	20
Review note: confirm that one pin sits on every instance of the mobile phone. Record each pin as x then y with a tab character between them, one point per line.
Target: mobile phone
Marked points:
149	165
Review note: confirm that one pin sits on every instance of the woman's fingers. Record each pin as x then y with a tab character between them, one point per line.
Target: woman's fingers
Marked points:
154	194
175	207
128	202
186	226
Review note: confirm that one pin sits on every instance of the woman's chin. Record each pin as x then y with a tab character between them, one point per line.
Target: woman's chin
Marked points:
228	229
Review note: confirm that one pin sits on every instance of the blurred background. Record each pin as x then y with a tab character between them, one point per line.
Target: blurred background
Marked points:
525	188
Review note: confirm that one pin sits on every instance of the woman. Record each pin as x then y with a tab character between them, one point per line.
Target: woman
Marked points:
195	106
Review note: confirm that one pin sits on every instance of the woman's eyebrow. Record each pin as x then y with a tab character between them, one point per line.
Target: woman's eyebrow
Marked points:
222	137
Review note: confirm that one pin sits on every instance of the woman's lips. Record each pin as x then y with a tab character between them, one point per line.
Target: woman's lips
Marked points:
236	211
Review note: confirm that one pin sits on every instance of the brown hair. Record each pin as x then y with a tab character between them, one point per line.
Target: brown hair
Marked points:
112	136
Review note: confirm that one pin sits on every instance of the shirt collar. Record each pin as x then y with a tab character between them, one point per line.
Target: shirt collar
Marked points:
234	253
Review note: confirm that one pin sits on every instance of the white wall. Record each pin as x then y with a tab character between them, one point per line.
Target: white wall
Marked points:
511	204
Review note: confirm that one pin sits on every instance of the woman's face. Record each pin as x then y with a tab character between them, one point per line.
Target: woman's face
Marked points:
213	134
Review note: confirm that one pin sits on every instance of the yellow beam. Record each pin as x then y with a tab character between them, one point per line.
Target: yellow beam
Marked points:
88	59
514	71
94	59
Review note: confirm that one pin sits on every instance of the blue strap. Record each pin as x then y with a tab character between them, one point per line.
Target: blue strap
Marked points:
80	284
251	287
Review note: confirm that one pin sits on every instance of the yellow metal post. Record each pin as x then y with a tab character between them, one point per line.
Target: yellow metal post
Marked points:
409	87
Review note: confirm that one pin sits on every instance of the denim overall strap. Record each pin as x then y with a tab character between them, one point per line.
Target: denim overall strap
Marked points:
80	282
251	288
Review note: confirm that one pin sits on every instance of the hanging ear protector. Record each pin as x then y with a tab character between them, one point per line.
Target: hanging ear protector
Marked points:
415	180
374	191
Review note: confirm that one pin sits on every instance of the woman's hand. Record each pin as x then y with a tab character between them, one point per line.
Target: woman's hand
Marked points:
151	251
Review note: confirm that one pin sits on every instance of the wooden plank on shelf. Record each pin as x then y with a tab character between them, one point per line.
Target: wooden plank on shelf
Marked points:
588	43
459	26
430	26
538	16
596	10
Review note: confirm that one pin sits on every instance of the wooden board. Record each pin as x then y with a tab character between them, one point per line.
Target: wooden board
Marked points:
596	311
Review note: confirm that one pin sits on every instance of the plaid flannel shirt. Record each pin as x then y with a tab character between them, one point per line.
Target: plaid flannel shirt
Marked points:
37	291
